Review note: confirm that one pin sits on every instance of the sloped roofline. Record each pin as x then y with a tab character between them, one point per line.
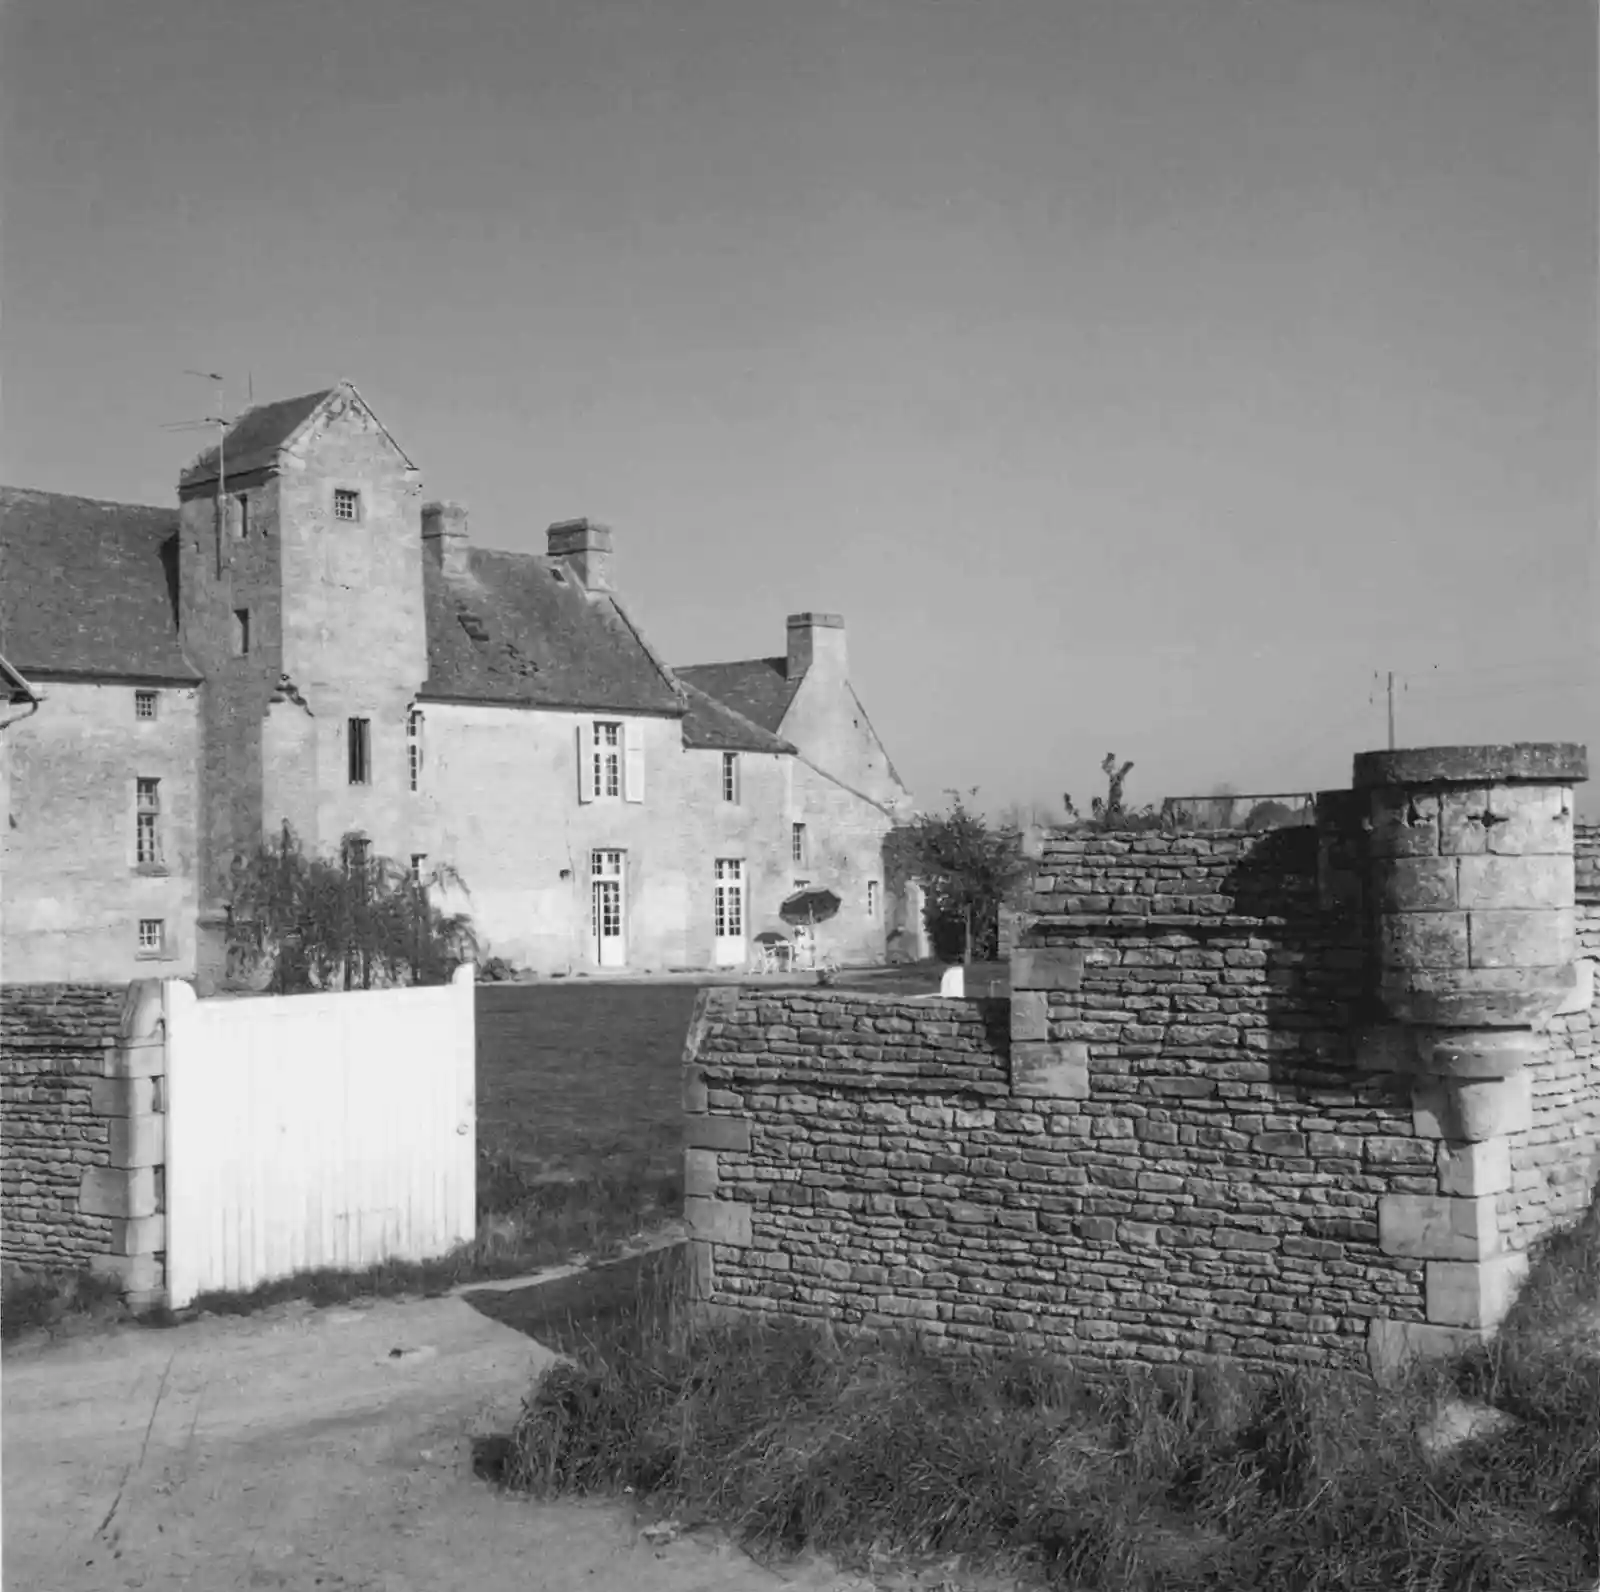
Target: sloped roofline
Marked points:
661	668
341	388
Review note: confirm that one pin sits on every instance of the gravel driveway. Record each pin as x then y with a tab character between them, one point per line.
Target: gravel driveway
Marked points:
315	1449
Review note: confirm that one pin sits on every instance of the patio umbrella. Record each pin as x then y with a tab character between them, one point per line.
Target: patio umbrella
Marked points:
809	906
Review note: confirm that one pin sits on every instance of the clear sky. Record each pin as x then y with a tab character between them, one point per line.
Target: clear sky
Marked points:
1133	375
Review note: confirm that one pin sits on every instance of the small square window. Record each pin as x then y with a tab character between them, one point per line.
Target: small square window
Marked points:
144	704
241	632
346	504
152	936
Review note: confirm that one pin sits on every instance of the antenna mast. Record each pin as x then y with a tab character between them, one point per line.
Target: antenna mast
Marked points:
219	420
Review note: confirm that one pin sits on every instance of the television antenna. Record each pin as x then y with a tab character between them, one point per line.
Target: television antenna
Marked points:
218	418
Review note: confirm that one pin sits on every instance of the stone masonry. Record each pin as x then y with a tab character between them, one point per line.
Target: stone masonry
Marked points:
1229	1109
81	1116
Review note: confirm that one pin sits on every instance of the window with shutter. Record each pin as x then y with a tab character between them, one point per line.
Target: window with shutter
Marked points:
585	765
633	772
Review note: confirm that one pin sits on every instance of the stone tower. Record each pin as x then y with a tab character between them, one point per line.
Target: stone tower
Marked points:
300	574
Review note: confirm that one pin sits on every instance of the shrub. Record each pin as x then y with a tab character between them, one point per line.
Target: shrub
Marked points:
342	923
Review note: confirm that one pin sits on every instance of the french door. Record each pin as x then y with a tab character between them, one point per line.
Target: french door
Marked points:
727	945
610	930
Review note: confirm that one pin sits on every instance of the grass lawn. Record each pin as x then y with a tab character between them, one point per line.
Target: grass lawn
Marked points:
580	1090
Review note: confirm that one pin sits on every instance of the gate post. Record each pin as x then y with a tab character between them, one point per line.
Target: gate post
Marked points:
1472	889
131	1188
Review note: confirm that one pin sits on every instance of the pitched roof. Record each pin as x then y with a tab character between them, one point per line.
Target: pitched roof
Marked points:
253	440
518	628
714	725
88	587
759	689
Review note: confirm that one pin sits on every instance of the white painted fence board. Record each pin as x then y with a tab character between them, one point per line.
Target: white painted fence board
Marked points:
308	1131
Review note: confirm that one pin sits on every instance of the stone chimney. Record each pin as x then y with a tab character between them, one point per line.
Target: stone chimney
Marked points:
444	536
586	549
816	642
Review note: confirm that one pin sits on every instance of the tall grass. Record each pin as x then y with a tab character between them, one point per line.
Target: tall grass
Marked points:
1111	1479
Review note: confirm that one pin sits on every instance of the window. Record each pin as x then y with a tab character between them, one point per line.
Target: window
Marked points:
152	936
360	739
414	746
241	632
241	522
729	898
419	862
144	704
147	831
730	776
797	842
346	504
607	759
872	898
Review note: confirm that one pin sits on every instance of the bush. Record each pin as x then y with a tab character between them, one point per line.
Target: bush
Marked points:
33	1301
1295	1482
345	923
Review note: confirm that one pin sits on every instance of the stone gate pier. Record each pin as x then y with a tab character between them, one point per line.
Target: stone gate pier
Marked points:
1471	896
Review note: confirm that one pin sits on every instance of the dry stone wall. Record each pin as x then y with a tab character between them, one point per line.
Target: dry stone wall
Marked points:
82	1125
1192	1130
53	1044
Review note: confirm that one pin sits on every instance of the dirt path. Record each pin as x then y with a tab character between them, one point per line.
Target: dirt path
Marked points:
296	1449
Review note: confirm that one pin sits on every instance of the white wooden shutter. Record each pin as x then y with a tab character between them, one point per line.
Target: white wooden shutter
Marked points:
585	764
633	760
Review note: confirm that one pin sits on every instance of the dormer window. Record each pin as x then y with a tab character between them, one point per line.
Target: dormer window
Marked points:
346	504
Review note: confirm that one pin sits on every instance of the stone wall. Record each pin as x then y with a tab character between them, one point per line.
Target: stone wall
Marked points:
1196	1128
53	1044
883	1161
80	1126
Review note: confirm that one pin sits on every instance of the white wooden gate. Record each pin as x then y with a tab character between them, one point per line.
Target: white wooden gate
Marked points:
306	1131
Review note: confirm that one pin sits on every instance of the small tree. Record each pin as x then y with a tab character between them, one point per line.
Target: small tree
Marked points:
349	922
1110	813
966	868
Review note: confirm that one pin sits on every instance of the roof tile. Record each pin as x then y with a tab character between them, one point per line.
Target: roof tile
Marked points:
714	725
759	689
89	587
518	628
253	440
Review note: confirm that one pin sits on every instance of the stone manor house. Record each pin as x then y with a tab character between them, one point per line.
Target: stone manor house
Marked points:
303	638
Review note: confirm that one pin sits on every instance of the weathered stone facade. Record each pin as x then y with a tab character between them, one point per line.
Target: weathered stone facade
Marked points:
338	656
75	889
1195	1128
